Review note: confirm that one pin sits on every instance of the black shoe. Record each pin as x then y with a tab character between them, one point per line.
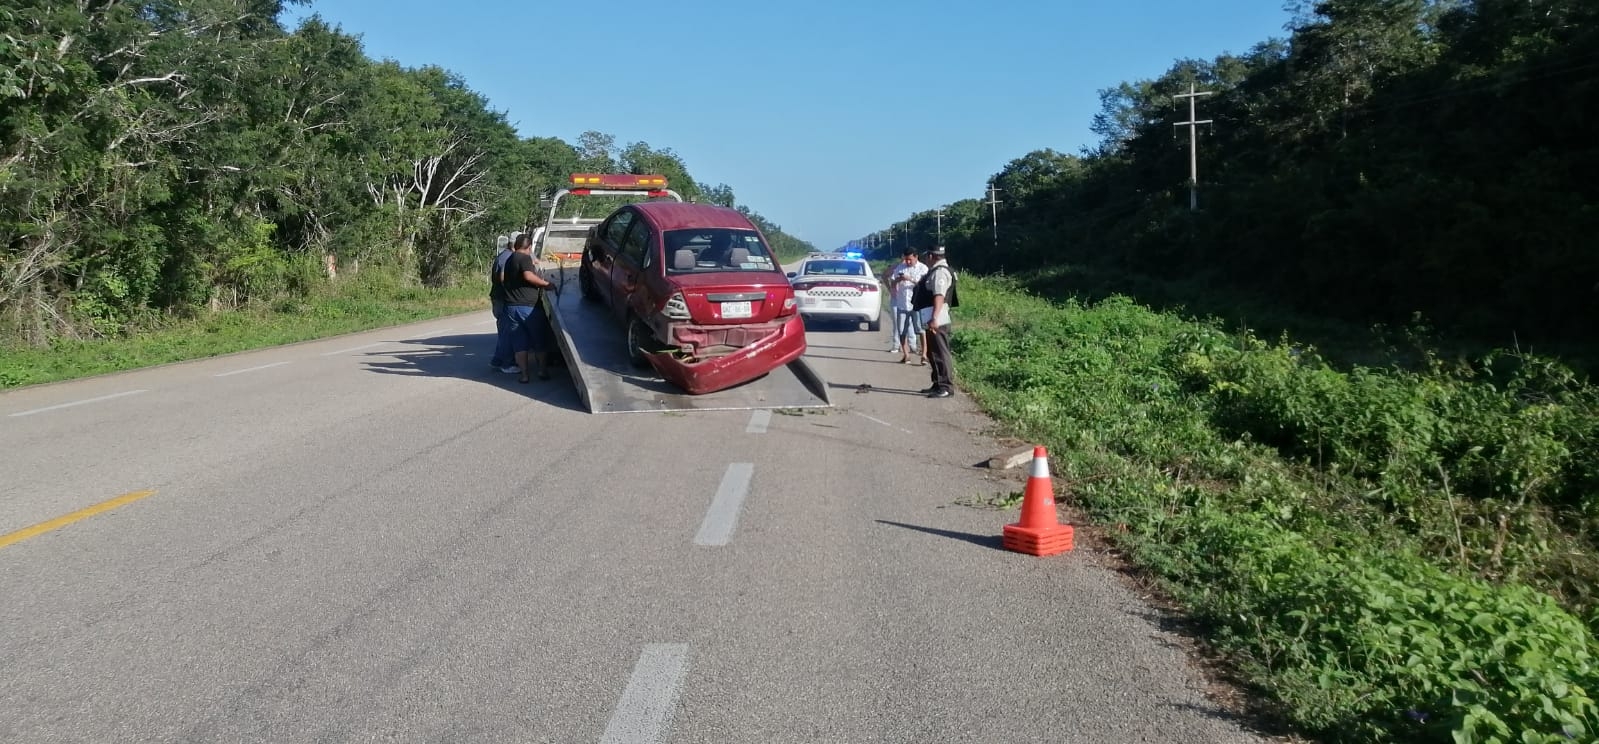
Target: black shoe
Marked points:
927	390
941	394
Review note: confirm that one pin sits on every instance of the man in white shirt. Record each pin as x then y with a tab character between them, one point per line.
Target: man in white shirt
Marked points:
907	322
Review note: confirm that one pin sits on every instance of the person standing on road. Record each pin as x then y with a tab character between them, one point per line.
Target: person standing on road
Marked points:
935	295
524	309
502	330
907	322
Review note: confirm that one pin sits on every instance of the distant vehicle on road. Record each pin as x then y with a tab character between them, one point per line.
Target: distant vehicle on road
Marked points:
699	291
838	287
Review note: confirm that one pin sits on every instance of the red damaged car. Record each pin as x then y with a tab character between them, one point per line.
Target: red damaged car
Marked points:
702	297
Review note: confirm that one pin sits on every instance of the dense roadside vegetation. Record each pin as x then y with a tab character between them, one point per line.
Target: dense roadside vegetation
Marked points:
1391	536
1389	158
1387	556
374	300
166	162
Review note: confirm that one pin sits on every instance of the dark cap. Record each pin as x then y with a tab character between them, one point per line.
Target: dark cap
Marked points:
936	250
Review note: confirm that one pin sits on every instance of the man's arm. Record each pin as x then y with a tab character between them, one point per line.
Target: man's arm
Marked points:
532	277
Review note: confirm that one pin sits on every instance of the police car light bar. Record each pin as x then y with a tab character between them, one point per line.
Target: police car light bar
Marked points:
618	181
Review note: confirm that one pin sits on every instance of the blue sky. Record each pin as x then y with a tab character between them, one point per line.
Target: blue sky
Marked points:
832	118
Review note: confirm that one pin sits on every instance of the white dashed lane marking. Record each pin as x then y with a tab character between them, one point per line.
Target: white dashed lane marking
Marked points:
85	401
880	421
644	714
717	529
251	369
354	348
759	420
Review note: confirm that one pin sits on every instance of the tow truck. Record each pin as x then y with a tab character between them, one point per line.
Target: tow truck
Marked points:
594	346
560	239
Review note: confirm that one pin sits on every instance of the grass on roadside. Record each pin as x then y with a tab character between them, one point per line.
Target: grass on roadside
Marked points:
1388	556
344	308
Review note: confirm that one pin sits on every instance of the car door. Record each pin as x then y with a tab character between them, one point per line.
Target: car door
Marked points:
627	271
601	256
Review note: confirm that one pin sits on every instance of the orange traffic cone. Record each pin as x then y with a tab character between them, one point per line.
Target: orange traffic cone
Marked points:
1038	532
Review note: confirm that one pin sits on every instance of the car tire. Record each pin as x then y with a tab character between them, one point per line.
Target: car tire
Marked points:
585	281
875	324
638	336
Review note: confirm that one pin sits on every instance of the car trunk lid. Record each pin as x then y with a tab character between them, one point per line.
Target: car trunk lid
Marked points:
734	298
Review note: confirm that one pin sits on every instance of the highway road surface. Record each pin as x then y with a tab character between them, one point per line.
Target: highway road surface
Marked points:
379	538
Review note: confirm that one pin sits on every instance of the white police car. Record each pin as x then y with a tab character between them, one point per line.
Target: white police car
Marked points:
838	287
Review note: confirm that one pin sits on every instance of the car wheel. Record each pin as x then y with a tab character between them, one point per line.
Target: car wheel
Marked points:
639	340
585	281
875	324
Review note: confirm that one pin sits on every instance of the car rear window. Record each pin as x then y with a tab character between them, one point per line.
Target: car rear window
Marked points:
715	249
835	268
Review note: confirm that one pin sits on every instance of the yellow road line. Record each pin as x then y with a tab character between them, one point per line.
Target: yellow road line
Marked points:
60	522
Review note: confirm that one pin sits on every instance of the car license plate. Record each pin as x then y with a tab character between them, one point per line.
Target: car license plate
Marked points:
736	310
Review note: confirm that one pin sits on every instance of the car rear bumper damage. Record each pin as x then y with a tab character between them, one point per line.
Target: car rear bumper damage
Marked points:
705	359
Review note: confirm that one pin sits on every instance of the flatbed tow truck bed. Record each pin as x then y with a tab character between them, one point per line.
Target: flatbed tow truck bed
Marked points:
593	344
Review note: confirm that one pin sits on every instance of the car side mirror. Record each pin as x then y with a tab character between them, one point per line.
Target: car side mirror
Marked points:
792	274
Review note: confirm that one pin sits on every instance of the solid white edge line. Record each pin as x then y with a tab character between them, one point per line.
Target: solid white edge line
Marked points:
643	714
722	517
354	348
759	420
85	401
251	369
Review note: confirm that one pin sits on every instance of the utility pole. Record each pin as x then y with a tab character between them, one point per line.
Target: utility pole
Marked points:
940	216
993	206
1193	144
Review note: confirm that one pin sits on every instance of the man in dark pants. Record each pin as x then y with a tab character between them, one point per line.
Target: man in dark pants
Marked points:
933	300
530	329
502	329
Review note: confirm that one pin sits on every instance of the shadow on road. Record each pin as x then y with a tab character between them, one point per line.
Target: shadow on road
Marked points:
987	541
466	356
809	355
867	388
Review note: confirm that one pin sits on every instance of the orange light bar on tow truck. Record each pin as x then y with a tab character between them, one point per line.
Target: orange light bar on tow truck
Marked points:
618	181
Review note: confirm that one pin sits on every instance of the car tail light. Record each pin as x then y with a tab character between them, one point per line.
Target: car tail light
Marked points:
868	287
790	305
676	308
803	286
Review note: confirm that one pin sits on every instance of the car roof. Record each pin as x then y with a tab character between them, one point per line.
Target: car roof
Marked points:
668	215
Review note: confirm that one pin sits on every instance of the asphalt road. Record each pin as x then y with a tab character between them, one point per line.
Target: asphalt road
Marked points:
379	538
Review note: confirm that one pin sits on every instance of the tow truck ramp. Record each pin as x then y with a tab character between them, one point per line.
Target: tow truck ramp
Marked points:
593	346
